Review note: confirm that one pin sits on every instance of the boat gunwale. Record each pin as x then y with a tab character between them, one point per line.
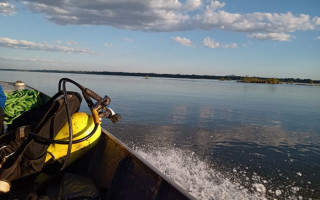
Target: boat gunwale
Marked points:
147	164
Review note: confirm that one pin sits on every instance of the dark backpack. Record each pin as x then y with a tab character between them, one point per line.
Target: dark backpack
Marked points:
1	119
26	155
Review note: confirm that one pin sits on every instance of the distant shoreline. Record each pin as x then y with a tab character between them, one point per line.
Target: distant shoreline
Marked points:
244	79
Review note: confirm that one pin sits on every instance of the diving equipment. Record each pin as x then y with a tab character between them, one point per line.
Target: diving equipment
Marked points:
52	134
82	125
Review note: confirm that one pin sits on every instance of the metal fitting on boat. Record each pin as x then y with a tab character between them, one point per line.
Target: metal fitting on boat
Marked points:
114	117
19	85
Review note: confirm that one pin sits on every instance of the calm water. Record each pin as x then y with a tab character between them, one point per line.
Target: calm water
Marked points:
218	140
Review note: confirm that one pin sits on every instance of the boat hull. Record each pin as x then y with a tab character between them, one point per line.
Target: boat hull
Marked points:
115	167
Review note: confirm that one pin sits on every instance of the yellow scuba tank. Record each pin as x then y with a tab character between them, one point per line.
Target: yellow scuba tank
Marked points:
82	125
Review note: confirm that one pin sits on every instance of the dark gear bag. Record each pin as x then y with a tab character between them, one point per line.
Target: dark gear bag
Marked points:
27	153
1	119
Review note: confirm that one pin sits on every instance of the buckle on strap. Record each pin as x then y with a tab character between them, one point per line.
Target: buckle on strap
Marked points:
21	133
5	154
20	136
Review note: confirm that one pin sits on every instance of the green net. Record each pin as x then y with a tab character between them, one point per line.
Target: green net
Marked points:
20	101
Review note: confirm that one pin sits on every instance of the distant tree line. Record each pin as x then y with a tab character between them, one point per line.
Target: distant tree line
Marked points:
245	79
260	80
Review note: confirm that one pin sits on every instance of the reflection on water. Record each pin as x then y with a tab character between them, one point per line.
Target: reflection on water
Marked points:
179	114
219	140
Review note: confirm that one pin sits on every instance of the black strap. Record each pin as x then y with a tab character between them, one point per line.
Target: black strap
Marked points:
12	142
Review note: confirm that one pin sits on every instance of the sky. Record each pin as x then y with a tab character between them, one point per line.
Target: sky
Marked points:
265	38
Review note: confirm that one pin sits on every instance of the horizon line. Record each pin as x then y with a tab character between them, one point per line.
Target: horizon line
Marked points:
152	74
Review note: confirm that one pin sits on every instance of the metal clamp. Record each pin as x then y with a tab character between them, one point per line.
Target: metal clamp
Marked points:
4	154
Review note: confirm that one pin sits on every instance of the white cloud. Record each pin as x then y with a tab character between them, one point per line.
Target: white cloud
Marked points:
153	15
209	42
318	37
254	22
108	45
192	5
30	45
71	43
271	36
216	5
7	9
231	45
316	21
183	41
170	15
29	59
128	39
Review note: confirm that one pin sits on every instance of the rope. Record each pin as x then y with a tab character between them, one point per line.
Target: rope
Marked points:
20	101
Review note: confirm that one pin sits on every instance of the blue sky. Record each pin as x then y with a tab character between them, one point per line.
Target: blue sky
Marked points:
248	37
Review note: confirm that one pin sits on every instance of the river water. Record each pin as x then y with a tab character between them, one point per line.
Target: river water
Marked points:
218	140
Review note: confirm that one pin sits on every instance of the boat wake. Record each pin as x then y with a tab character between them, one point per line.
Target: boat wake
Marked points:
197	177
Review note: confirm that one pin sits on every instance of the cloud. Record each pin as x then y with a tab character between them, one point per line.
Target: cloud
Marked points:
153	15
170	15
191	5
271	36
128	39
209	42
214	5
22	62
183	41
30	59
7	9
108	45
71	43
29	45
254	22
318	37
316	21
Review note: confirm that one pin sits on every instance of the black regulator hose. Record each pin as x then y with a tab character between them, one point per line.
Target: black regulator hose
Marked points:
90	104
64	91
94	115
83	90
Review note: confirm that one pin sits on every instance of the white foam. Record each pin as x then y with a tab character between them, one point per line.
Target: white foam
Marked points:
278	192
260	188
197	177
